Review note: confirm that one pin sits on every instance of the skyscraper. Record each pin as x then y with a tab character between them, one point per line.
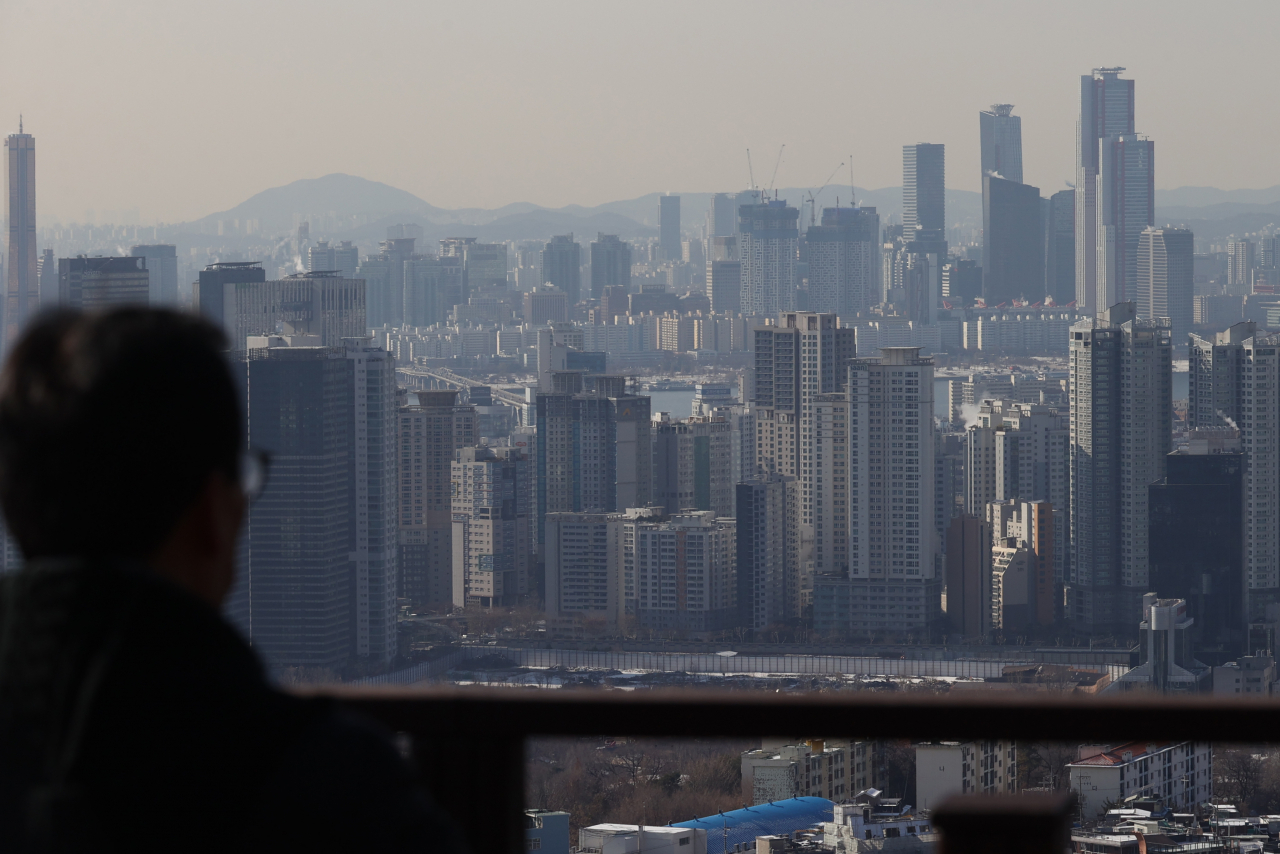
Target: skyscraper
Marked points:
844	261
1166	278
162	272
562	266
1106	109
722	216
1197	537
1001	138
323	536
1121	431
484	263
610	264
322	304
383	275
22	287
100	281
1240	264
215	296
768	238
1012	241
1125	207
1060	248
1233	382
924	194
669	227
433	285
432	428
684	569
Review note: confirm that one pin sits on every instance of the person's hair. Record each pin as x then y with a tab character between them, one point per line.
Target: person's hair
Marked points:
111	424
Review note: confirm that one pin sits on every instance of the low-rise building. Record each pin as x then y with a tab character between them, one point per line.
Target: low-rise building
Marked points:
1248	676
946	768
794	768
1180	772
546	831
870	820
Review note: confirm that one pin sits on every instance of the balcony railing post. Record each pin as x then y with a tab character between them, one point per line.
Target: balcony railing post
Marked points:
480	783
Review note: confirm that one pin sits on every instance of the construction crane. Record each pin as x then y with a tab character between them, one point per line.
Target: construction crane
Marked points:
776	164
813	200
751	172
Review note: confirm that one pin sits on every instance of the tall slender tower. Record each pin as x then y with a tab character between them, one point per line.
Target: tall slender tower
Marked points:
1001	142
22	286
1106	109
924	200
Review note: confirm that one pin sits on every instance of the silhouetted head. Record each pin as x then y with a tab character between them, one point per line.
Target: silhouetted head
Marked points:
121	436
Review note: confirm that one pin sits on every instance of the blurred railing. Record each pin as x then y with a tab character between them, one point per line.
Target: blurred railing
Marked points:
469	742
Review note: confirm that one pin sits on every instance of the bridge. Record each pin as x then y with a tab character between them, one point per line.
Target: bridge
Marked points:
417	377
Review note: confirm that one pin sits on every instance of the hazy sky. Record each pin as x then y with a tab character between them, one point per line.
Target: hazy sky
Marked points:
181	108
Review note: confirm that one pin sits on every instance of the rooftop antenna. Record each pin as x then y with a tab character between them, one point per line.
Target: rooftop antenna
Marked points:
775	168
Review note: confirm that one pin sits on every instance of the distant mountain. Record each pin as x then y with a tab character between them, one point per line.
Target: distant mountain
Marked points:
347	195
1220	210
379	205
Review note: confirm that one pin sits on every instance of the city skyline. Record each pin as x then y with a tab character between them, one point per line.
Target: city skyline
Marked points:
581	161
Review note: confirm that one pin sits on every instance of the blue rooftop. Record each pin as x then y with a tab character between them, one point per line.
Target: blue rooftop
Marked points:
776	818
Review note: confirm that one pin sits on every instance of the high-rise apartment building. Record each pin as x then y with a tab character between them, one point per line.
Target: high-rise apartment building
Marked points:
669	227
582	569
1121	431
561	260
595	449
844	261
1241	260
1233	382
483	263
768	551
684	569
491	516
1012	241
322	537
322	304
692	465
22	287
805	355
1060	248
610	264
1126	207
924	194
968	576
1106	110
1032	592
768	240
1165	282
433	427
724	286
162	272
103	281
893	584
1001	138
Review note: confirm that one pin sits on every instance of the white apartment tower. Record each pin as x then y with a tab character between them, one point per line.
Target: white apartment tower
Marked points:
893	585
1121	431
